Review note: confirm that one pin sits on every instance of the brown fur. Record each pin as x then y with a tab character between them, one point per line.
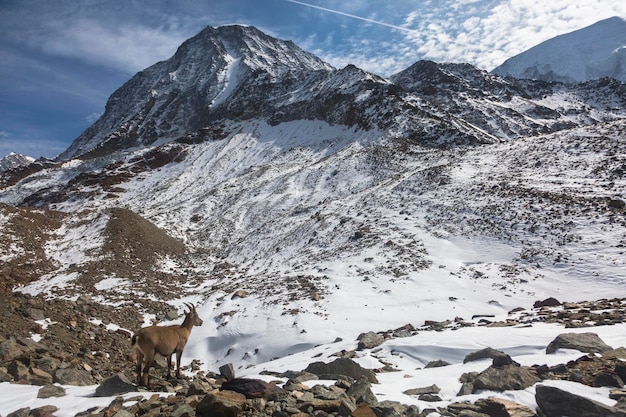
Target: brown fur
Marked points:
165	341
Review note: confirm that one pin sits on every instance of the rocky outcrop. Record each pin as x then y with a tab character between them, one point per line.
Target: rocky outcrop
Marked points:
555	402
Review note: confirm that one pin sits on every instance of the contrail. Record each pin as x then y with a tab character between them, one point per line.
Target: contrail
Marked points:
351	15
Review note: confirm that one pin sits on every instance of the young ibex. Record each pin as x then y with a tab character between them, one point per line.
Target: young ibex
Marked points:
165	341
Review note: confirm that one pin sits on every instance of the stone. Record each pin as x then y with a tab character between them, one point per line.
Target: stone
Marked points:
483	354
50	390
341	367
22	412
504	378
584	342
221	404
45	411
493	406
70	376
467	388
227	371
251	388
555	402
369	340
363	410
437	364
432	389
115	385
18	370
548	302
606	379
38	377
183	410
361	391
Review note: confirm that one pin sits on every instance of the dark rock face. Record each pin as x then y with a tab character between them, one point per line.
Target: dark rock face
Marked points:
554	402
584	342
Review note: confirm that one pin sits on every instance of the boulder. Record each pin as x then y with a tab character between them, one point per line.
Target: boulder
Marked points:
342	367
70	376
548	302
504	378
437	364
115	385
584	342
362	393
48	391
555	402
503	408
38	377
221	404
227	371
369	340
251	388
483	354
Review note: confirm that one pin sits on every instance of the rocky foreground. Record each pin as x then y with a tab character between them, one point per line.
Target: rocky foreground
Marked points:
74	348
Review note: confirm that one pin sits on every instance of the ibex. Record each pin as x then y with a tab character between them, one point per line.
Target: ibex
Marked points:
165	341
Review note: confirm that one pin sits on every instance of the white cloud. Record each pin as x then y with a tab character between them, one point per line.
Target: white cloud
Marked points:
485	35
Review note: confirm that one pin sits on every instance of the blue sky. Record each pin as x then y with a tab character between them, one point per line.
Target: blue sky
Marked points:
61	59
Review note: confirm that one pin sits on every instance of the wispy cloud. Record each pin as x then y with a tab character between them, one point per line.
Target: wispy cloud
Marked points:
365	19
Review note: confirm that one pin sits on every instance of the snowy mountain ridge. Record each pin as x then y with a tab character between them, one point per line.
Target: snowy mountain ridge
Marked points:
589	53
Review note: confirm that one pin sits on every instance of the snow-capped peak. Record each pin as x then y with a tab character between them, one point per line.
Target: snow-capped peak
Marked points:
589	53
14	160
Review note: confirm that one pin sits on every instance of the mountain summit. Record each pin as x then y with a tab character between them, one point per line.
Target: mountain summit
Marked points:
177	96
590	53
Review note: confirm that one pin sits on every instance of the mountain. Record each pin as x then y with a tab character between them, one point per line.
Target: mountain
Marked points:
297	204
15	160
586	54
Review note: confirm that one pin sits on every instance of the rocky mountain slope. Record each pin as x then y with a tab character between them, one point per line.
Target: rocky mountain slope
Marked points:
296	203
586	54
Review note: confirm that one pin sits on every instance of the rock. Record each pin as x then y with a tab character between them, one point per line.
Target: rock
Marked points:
38	377
584	342
183	410
10	349
115	385
616	203
429	398
606	379
437	364
48	391
363	410
240	294
70	376
362	393
619	353
503	378
503	408
341	367
4	375
18	370
221	404
555	402
171	314
483	354
251	388
433	389
548	302
394	408
22	412
227	371
369	340
45	411
503	360
467	388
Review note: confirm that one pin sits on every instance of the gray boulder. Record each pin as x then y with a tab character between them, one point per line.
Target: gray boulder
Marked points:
584	342
115	385
369	340
342	367
555	402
